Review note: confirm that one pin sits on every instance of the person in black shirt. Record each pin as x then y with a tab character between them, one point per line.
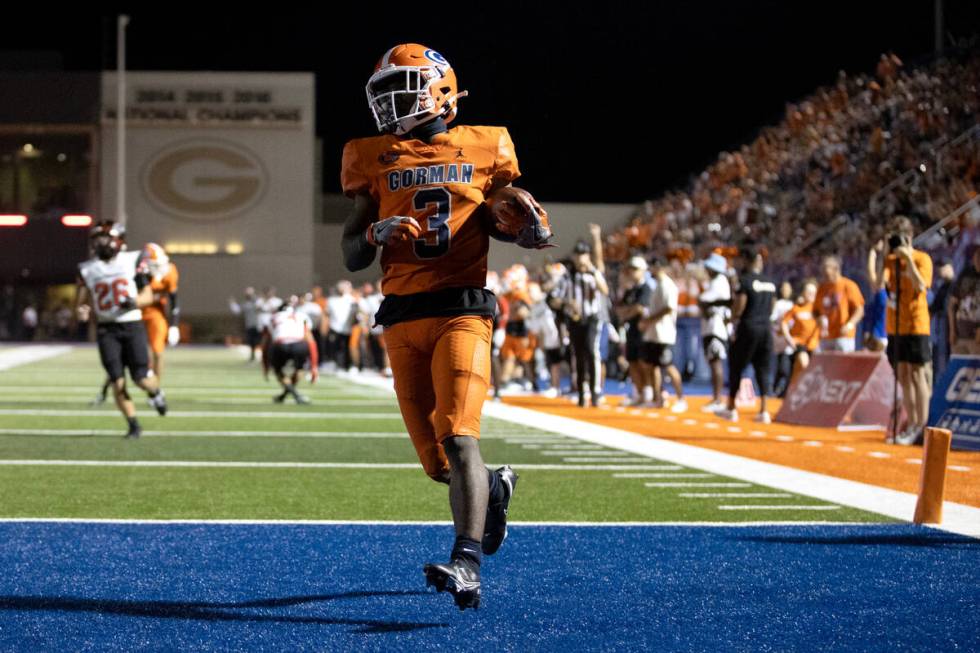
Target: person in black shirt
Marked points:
632	307
751	310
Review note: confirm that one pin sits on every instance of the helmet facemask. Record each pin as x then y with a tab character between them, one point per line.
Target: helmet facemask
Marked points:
401	97
105	246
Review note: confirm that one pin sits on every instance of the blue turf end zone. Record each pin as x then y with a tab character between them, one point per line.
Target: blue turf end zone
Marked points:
122	587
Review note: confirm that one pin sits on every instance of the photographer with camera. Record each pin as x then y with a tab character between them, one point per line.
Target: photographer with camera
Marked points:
906	273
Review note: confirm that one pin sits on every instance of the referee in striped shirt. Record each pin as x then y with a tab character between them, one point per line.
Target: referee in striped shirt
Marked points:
582	293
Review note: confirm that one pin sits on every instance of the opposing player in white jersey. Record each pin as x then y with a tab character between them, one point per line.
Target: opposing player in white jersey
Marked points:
115	287
288	338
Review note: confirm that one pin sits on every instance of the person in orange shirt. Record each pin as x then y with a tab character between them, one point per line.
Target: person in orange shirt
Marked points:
907	275
419	191
839	307
161	317
799	326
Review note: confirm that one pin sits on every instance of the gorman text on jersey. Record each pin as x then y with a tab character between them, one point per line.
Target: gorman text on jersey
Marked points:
448	173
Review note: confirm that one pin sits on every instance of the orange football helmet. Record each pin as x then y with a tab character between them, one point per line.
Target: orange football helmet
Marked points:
156	260
411	85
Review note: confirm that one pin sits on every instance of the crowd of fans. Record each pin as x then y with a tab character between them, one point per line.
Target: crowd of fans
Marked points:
838	157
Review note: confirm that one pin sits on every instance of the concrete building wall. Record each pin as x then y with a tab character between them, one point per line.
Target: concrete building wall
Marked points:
220	171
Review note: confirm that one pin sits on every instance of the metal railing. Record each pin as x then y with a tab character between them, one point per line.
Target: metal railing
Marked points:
924	238
935	160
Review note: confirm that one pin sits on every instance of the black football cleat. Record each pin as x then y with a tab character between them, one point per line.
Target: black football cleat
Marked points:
135	431
457	577
495	529
281	397
160	403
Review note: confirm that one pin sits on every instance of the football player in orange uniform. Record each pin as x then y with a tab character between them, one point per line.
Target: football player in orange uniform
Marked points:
161	317
419	191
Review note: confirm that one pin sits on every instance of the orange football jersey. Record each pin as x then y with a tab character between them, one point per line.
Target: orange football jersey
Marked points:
441	184
163	286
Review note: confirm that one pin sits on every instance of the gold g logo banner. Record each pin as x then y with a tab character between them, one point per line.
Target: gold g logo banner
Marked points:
204	180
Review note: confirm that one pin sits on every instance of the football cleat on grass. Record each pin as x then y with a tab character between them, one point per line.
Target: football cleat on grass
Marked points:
281	397
301	399
160	403
495	530
135	431
459	578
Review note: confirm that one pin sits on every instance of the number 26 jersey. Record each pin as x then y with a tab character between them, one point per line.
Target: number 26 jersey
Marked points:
110	284
441	184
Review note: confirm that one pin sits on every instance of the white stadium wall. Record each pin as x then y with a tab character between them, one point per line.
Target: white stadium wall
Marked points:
220	171
570	221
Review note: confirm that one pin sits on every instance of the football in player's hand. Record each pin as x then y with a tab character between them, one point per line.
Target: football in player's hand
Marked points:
510	208
516	213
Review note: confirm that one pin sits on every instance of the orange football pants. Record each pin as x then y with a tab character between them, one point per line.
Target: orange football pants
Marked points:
441	367
156	332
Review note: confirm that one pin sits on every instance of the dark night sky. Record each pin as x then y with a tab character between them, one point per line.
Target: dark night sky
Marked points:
616	104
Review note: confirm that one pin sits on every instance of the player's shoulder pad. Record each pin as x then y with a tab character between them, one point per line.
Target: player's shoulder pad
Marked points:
486	136
367	144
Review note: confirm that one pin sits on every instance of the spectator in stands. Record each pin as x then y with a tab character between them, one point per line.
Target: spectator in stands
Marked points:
873	325
341	315
715	307
838	307
751	310
964	309
311	309
631	308
249	311
907	274
368	306
581	293
544	327
938	314
660	335
799	326
268	304
519	345
28	322
783	346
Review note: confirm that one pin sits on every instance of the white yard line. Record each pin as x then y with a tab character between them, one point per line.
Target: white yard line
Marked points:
776	507
695	484
30	354
218	434
220	414
599	460
734	495
41	462
191	400
576	452
348	522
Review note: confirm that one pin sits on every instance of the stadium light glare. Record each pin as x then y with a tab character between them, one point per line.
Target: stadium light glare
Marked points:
76	220
13	220
234	249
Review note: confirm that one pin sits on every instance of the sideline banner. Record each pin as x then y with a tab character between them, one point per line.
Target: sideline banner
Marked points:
841	391
956	402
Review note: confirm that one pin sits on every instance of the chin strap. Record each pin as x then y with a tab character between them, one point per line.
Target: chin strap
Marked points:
427	130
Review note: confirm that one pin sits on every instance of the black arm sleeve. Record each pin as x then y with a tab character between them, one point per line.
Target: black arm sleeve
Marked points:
174	310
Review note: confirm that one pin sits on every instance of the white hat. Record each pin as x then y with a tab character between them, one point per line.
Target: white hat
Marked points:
638	263
716	263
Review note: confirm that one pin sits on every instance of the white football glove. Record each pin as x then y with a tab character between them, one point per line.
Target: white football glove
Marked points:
173	336
498	338
392	230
